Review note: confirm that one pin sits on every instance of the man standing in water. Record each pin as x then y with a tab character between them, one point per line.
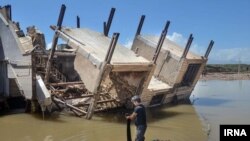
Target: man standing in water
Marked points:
139	115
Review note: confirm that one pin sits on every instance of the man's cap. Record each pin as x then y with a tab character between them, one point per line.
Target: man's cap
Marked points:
134	98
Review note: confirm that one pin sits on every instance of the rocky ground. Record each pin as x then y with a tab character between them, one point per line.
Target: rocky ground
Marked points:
226	76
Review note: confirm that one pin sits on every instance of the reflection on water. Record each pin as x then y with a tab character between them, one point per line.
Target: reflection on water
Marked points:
169	123
222	102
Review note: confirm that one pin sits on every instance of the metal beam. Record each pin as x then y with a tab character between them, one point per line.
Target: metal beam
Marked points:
138	32
210	46
108	24
77	21
54	43
189	46
104	28
160	42
61	16
109	49
69	105
113	45
190	39
66	83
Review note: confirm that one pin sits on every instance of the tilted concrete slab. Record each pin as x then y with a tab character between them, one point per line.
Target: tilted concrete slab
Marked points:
94	45
91	49
168	45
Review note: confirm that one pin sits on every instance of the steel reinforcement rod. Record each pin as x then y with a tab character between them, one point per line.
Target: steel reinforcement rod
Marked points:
77	21
106	26
210	46
116	37
138	32
111	49
189	45
68	105
54	43
160	42
190	39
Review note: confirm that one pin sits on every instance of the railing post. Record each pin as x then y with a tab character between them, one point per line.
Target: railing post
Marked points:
77	21
210	46
54	43
108	24
190	39
112	47
138	32
160	42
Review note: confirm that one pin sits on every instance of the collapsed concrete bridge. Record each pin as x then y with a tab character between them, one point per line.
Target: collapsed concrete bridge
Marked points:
90	71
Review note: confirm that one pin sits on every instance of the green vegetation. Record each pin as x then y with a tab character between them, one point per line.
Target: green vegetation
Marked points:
227	68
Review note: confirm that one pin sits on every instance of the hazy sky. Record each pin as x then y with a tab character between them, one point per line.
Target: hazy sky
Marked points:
227	22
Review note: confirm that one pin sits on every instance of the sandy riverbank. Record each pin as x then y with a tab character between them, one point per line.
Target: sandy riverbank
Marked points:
226	76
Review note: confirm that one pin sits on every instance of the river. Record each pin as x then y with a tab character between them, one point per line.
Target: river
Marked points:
221	102
212	103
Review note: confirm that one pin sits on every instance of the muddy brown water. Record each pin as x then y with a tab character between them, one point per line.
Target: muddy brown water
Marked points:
170	123
214	102
175	123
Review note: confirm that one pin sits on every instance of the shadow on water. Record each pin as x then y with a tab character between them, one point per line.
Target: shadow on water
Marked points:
206	101
12	106
154	114
17	105
54	117
12	112
115	115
